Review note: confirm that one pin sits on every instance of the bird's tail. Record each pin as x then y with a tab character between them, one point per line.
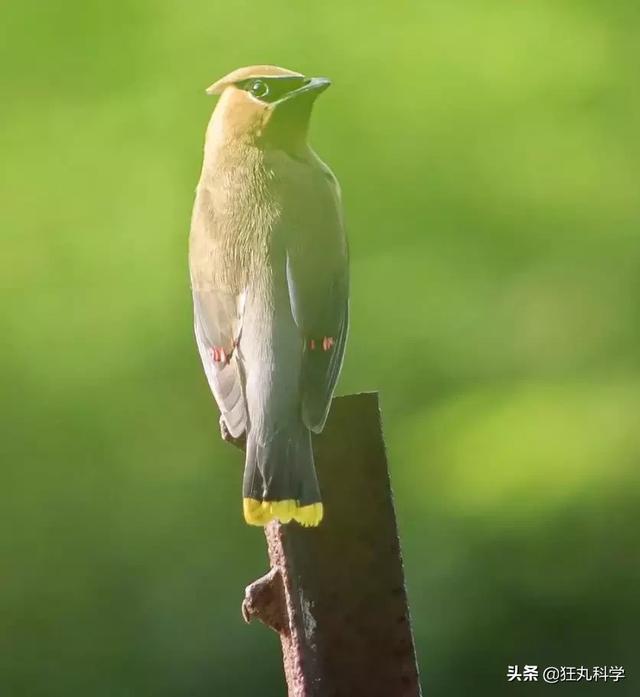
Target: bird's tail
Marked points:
280	478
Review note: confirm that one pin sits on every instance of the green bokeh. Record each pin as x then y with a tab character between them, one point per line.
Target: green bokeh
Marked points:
490	163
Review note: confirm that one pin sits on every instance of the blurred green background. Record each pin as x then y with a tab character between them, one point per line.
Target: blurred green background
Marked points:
490	161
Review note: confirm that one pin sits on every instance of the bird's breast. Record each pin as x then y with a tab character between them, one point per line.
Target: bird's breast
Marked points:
235	214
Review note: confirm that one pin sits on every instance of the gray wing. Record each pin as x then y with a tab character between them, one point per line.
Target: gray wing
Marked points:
218	322
320	368
317	270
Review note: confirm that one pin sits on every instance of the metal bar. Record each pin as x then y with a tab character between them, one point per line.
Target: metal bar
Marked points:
336	593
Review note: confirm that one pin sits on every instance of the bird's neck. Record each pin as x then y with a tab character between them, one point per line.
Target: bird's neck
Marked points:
230	154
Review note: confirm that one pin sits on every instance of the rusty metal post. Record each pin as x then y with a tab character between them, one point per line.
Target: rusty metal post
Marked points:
336	593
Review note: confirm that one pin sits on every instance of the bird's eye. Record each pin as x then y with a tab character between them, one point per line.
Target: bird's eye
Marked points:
259	88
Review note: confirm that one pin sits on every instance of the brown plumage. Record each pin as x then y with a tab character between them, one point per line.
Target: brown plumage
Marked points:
269	272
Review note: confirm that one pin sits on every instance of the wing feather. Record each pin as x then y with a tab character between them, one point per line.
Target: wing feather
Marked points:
317	271
218	320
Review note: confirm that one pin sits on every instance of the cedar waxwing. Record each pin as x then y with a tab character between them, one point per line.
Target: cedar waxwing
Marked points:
270	278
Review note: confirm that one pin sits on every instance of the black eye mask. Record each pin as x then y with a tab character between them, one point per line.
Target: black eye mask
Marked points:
271	89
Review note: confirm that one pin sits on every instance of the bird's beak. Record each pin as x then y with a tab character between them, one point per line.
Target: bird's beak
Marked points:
312	86
315	84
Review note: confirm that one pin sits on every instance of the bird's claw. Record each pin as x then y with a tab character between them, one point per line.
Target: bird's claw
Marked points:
239	442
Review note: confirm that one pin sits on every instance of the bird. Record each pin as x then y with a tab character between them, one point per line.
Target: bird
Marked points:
269	268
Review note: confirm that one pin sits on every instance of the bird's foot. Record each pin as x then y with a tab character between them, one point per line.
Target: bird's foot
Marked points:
326	344
239	442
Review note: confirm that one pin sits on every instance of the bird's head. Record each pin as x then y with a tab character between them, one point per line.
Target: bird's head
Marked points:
264	104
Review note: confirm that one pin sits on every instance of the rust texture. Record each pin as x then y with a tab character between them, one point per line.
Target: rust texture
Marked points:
264	600
339	591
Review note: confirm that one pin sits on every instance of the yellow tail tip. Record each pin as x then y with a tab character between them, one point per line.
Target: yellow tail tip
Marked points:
258	512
